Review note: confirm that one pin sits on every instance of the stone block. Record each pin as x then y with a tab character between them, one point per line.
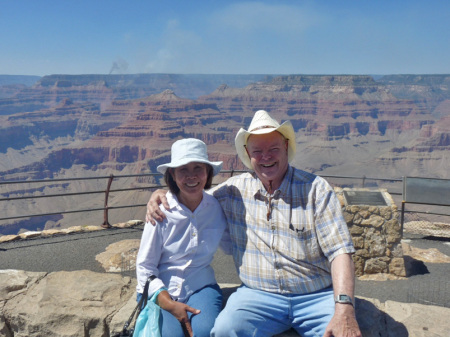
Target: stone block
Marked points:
374	220
356	230
30	234
364	253
51	232
359	265
357	219
364	214
117	253
397	250
7	238
397	267
375	265
375	210
358	242
386	213
355	209
348	217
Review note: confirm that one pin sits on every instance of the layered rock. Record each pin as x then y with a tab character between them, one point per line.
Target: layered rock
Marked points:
99	124
129	132
331	107
323	109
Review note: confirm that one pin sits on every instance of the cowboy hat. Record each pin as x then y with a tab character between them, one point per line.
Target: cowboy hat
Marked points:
263	123
189	150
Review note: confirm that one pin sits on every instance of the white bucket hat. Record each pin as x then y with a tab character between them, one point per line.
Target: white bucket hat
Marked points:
262	123
189	150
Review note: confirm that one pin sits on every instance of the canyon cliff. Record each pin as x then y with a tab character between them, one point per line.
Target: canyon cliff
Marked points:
88	125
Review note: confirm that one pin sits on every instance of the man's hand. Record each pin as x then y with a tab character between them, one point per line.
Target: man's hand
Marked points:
343	323
178	310
153	212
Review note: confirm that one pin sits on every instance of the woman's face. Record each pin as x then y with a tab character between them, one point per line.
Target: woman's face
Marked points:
190	178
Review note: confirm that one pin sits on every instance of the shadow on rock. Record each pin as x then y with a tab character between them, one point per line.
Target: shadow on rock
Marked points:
374	322
415	267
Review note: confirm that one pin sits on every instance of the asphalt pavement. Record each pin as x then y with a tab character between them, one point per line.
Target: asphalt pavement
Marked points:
78	251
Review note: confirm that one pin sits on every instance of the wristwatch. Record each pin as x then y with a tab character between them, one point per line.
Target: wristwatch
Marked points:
344	299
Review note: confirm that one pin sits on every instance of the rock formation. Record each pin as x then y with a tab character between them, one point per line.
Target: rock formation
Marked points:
87	125
84	303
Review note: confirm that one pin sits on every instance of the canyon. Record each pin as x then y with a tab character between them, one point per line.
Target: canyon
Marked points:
65	126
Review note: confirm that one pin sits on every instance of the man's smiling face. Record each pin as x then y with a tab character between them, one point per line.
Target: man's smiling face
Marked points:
269	157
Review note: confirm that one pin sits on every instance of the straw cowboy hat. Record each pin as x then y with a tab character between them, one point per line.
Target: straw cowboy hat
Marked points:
189	150
262	123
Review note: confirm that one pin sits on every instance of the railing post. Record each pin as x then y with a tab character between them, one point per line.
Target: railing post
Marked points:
105	212
402	216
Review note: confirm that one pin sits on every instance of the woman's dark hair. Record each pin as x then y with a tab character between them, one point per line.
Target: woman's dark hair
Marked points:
173	185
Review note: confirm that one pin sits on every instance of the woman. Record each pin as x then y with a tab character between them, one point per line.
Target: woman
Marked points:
176	254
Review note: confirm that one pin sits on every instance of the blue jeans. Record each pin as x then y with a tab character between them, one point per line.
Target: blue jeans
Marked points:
208	300
251	312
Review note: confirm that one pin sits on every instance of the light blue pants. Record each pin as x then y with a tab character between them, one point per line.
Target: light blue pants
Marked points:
251	312
208	300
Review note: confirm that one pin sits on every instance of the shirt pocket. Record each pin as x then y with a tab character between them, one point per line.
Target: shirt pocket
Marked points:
300	245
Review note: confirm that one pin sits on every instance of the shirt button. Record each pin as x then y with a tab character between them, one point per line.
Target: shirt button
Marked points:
273	228
193	234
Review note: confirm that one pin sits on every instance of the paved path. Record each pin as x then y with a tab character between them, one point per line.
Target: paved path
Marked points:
78	251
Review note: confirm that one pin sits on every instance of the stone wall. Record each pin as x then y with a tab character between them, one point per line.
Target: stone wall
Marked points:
376	234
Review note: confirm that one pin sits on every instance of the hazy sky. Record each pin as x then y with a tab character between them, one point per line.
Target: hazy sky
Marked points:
43	37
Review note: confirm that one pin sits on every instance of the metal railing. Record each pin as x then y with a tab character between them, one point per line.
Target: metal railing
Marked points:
335	180
105	192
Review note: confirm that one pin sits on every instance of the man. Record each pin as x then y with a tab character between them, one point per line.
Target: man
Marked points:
291	245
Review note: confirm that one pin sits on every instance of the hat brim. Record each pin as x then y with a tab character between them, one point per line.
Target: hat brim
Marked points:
286	129
216	165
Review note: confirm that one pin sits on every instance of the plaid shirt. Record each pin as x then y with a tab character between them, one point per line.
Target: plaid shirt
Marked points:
286	247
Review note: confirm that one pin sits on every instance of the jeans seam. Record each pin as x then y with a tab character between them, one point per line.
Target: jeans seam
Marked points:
291	312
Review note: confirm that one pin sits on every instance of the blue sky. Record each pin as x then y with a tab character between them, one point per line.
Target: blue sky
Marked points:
43	37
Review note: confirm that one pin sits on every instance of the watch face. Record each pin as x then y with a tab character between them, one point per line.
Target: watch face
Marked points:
342	298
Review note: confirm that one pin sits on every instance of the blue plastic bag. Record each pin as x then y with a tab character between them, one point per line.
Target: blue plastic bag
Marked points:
148	323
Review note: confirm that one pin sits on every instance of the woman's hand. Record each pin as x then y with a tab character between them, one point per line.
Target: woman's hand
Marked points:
153	212
178	310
